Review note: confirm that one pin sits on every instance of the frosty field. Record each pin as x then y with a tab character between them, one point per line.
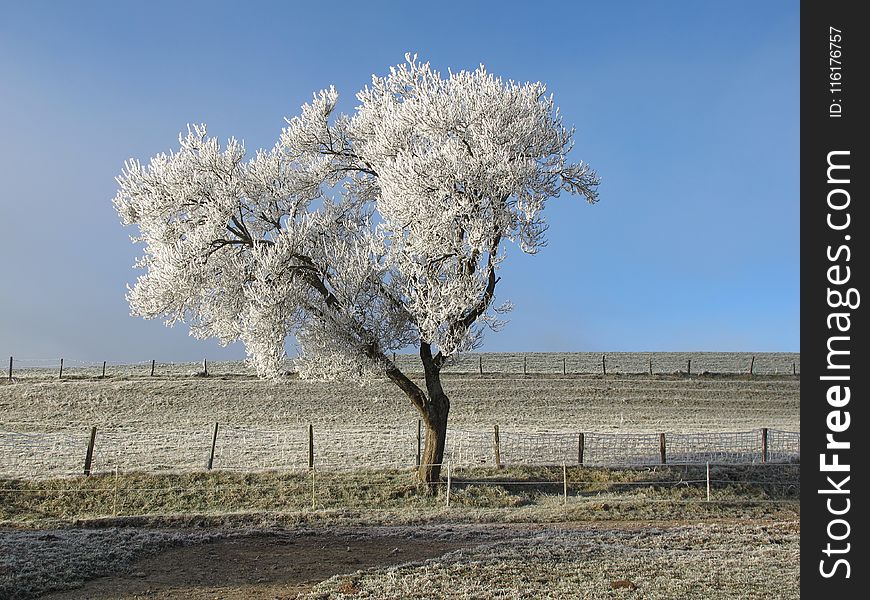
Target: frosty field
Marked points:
167	421
163	534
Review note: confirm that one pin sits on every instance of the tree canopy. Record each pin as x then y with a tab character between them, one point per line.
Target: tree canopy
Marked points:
358	235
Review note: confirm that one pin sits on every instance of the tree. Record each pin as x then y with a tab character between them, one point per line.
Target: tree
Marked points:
358	235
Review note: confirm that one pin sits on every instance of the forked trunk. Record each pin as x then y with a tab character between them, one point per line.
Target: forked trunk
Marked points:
433	406
432	458
434	414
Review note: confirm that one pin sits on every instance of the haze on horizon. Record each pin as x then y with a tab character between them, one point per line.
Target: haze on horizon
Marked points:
688	112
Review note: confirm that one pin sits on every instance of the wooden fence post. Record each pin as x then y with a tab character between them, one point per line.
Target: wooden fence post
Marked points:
89	456
604	364
60	375
497	450
764	444
793	368
104	369
310	447
581	446
689	367
564	367
213	443
650	366
663	449
419	440
524	364
480	364
152	367
752	366
10	368
313	497
205	367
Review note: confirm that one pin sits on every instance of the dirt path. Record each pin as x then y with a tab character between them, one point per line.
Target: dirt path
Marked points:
255	567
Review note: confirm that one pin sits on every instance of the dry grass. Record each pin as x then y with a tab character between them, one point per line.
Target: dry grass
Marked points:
513	494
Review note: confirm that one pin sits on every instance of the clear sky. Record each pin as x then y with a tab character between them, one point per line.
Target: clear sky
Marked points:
688	111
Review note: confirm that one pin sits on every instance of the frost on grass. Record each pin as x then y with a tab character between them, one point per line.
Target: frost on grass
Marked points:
33	563
704	561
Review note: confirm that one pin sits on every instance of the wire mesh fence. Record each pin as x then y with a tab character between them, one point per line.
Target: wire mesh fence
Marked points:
234	448
537	363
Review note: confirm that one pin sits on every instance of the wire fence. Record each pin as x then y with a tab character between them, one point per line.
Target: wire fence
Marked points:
117	494
232	448
539	363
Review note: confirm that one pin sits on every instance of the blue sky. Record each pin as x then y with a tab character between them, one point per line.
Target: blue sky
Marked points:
688	110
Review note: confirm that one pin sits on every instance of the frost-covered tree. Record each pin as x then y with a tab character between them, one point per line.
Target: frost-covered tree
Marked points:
357	235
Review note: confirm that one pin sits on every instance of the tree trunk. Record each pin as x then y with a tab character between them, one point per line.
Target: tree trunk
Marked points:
434	414
431	461
433	406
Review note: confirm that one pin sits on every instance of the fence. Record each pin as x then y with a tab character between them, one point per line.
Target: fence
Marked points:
232	448
583	488
542	363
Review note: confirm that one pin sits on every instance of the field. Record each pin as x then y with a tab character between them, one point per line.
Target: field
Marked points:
635	533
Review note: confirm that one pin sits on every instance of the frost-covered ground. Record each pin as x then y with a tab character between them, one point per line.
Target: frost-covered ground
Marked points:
167	421
661	561
699	561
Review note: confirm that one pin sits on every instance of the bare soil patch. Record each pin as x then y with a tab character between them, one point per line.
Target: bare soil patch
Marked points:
264	566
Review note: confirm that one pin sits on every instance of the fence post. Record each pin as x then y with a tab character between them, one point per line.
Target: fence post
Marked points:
480	364
764	444
447	504
310	447
564	367
497	450
708	482
104	369
650	366
394	358
152	367
60	375
89	456
663	449
115	500
752	366
793	368
10	368
604	364
313	502
213	443
565	484
581	446
689	367
419	440
524	364
205	367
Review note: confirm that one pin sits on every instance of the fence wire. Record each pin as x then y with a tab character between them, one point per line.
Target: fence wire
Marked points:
59	453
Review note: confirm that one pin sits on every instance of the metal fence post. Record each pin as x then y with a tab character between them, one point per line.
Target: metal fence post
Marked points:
310	447
419	440
447	504
565	484
497	449
708	482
